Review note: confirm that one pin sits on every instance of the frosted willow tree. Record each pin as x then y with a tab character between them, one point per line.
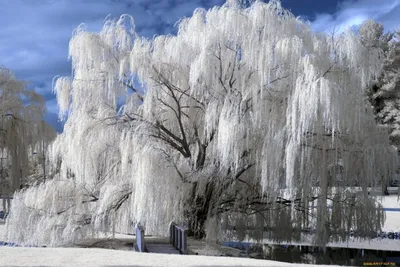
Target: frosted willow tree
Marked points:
21	129
245	118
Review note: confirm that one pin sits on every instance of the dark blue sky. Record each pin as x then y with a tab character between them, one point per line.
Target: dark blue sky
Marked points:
35	33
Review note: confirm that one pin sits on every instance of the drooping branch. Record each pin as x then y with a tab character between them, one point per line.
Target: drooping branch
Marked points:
129	84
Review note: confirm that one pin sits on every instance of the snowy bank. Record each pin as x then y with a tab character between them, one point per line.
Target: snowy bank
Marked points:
10	256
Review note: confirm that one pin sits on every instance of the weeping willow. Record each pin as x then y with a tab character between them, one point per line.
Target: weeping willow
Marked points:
246	119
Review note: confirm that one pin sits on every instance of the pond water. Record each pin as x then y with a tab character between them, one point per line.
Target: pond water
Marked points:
313	255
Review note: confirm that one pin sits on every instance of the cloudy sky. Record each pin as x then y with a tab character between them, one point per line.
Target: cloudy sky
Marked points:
35	33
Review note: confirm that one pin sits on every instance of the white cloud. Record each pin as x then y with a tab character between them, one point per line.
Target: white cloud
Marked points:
353	13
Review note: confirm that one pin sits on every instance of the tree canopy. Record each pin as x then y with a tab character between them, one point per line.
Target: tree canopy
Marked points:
384	92
245	118
22	129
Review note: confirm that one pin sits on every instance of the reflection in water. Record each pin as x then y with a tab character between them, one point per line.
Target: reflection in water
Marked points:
314	255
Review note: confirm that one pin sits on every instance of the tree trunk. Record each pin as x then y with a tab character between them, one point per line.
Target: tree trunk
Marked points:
201	156
198	208
385	191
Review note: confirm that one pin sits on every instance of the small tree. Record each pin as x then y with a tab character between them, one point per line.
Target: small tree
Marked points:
21	112
384	91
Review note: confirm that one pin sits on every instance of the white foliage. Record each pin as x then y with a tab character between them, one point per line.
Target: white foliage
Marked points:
253	90
384	91
63	90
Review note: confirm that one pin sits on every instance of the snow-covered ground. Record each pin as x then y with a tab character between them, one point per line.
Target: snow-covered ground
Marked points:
392	223
375	244
10	256
121	256
2	229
